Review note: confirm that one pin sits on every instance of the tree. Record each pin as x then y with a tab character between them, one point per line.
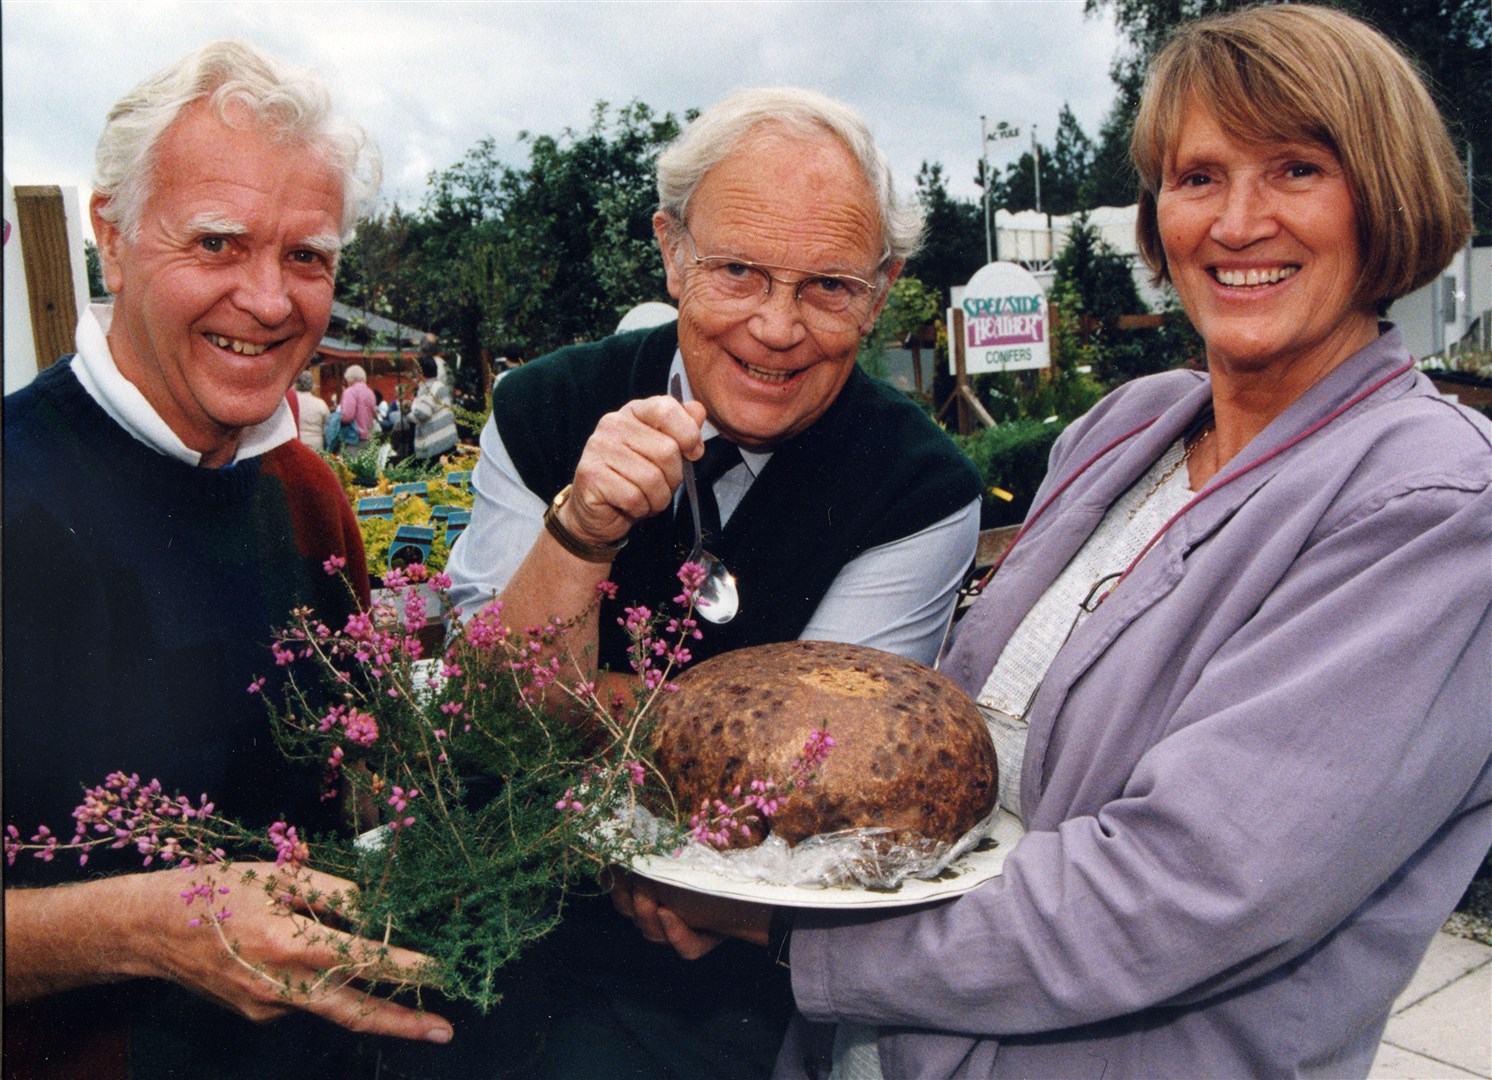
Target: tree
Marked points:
1071	159
522	259
1065	166
954	244
910	306
95	267
1094	280
579	217
1111	176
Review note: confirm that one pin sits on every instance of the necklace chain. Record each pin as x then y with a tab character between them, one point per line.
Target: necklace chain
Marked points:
1165	476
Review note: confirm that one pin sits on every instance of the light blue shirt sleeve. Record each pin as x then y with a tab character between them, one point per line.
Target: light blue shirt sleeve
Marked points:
895	597
506	519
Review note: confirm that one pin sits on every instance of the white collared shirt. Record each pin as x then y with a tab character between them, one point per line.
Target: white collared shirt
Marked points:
100	376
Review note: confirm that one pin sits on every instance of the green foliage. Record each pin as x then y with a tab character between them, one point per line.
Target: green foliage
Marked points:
95	267
1095	280
910	306
1013	457
522	259
954	244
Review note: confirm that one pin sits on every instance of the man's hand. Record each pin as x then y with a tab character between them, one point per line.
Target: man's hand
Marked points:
269	956
631	466
690	922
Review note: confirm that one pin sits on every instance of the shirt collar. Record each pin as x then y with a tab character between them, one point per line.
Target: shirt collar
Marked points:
96	370
755	460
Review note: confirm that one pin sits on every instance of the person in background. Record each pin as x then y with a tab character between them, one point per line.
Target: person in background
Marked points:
359	408
430	413
313	411
161	517
1245	638
843	511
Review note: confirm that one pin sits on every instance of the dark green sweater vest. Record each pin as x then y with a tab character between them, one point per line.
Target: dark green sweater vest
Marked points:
871	470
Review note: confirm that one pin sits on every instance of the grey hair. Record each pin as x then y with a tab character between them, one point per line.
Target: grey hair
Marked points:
355	373
716	132
293	105
305	381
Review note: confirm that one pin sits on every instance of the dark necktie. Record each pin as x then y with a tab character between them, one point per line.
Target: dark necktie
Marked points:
720	457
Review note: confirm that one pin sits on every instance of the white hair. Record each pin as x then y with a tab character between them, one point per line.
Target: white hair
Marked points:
293	105
716	132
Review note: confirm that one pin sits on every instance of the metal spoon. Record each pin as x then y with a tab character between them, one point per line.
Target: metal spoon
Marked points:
717	600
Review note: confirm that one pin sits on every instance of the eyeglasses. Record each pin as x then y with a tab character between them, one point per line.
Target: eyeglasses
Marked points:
827	302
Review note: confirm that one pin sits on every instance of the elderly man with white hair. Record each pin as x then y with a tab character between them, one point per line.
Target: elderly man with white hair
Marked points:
161	517
843	511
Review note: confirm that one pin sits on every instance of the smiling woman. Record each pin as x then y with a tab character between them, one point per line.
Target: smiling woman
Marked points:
1296	179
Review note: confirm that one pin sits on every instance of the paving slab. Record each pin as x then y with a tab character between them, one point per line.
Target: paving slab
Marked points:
1452	1024
1448	959
1396	1063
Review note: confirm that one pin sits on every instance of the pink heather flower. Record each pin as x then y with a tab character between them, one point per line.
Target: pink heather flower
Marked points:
289	847
692	575
359	626
440	581
606	590
637	619
257	685
333	564
360	727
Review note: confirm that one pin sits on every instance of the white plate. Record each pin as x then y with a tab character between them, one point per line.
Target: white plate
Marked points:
966	873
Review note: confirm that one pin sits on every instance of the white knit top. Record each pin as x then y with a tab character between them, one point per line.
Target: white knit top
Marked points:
1122	534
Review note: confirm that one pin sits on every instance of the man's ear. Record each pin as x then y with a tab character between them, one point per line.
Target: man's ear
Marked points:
892	273
110	243
663	225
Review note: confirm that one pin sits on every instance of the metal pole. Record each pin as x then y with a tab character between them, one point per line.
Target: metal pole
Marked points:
984	157
1036	163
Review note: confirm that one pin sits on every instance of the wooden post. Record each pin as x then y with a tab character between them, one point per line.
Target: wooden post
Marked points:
960	372
42	223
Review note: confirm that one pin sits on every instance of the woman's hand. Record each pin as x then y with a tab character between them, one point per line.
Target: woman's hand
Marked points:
690	922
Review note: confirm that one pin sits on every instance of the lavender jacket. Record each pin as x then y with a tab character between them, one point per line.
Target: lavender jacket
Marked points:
1258	778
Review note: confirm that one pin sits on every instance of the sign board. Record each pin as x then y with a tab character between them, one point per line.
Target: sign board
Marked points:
1005	321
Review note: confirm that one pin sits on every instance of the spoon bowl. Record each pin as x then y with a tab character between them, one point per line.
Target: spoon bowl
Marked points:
717	600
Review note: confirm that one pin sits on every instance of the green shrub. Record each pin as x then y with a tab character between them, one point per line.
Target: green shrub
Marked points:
1012	457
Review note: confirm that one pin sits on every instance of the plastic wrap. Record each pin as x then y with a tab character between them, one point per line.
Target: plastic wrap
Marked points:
854	858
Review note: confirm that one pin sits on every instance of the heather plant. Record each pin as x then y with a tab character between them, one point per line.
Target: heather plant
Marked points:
483	785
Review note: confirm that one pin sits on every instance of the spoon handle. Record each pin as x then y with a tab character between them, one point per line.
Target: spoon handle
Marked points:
676	389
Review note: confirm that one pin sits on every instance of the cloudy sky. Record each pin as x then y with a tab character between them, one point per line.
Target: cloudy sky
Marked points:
428	79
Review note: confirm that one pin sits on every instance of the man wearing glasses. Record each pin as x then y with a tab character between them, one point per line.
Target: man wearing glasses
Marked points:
845	513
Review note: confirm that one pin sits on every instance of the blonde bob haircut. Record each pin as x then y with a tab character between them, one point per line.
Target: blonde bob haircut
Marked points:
1301	73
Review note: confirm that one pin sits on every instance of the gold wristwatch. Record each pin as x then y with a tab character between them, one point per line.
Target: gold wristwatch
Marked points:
596	553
